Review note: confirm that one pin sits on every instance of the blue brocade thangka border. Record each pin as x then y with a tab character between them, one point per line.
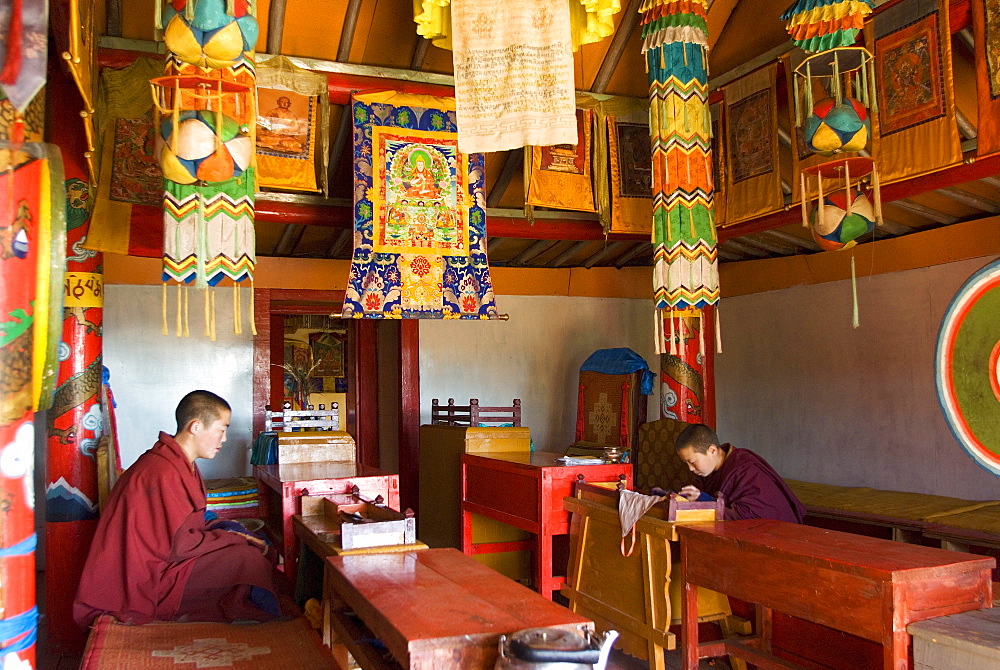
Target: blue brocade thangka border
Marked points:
375	286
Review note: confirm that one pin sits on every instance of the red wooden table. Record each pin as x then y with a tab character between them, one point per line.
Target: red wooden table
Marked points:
281	487
865	586
526	490
432	609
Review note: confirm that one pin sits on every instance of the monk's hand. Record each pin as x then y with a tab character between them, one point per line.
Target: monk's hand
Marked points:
690	493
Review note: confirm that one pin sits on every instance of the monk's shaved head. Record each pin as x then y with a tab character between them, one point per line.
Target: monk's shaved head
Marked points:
698	436
202	406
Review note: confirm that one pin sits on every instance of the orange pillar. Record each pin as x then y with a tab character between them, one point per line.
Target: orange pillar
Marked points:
73	422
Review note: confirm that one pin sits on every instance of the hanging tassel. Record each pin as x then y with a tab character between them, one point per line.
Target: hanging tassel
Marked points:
236	309
230	7
819	199
854	293
208	307
877	195
201	231
158	16
872	93
718	331
673	337
211	297
253	326
658	332
797	101
189	10
179	327
863	83
809	87
164	329
187	298
803	195
176	115
701	332
847	178
838	92
218	117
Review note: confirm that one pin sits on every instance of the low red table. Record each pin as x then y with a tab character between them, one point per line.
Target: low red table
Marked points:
865	586
431	609
526	490
281	487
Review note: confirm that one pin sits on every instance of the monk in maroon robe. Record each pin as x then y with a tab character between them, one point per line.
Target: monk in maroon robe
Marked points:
750	487
154	557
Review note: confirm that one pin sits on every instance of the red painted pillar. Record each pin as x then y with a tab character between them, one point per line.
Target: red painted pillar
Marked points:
687	391
73	423
21	246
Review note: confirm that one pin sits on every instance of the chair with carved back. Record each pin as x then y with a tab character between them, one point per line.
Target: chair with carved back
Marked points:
474	414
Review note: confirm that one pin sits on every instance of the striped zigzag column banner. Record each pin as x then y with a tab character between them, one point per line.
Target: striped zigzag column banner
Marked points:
675	42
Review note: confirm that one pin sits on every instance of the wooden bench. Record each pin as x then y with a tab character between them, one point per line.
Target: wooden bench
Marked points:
957	642
168	646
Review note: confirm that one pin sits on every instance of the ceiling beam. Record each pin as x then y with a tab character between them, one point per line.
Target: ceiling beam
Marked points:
805	243
637	248
893	227
966	128
737	245
335	249
275	25
339	143
114	18
768	245
978	169
608	250
970	199
572	250
531	251
926	212
494	244
290	238
347	32
513	161
630	19
419	53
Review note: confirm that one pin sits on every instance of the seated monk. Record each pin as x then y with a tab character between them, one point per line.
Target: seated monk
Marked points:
154	556
750	487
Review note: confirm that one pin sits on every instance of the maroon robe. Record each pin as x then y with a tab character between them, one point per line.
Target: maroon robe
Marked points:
151	535
751	488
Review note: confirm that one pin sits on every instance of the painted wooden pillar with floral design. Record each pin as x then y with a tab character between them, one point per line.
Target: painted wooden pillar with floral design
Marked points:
74	423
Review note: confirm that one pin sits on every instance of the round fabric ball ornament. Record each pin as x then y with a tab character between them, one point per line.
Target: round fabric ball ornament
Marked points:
211	38
203	151
833	128
837	229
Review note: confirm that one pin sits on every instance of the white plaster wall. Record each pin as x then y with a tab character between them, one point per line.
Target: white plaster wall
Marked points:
151	372
535	356
858	407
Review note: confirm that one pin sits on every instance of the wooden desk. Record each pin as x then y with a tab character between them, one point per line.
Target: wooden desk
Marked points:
281	486
526	490
865	586
432	609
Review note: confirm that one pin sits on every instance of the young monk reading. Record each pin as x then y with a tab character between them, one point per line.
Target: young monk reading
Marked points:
750	487
154	557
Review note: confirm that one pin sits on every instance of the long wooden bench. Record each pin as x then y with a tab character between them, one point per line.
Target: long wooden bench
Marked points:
917	518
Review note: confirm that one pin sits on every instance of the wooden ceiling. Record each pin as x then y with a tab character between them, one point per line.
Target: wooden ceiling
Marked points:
372	44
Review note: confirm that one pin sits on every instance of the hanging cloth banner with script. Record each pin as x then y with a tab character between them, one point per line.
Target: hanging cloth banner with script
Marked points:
986	26
753	186
916	125
419	214
514	81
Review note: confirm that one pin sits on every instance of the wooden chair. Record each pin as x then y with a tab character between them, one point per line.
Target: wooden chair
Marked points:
474	414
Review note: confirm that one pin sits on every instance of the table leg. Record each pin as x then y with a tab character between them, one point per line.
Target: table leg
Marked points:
764	618
896	651
466	532
289	540
689	619
543	568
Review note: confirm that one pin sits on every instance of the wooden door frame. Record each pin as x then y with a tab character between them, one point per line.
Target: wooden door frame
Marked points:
363	403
